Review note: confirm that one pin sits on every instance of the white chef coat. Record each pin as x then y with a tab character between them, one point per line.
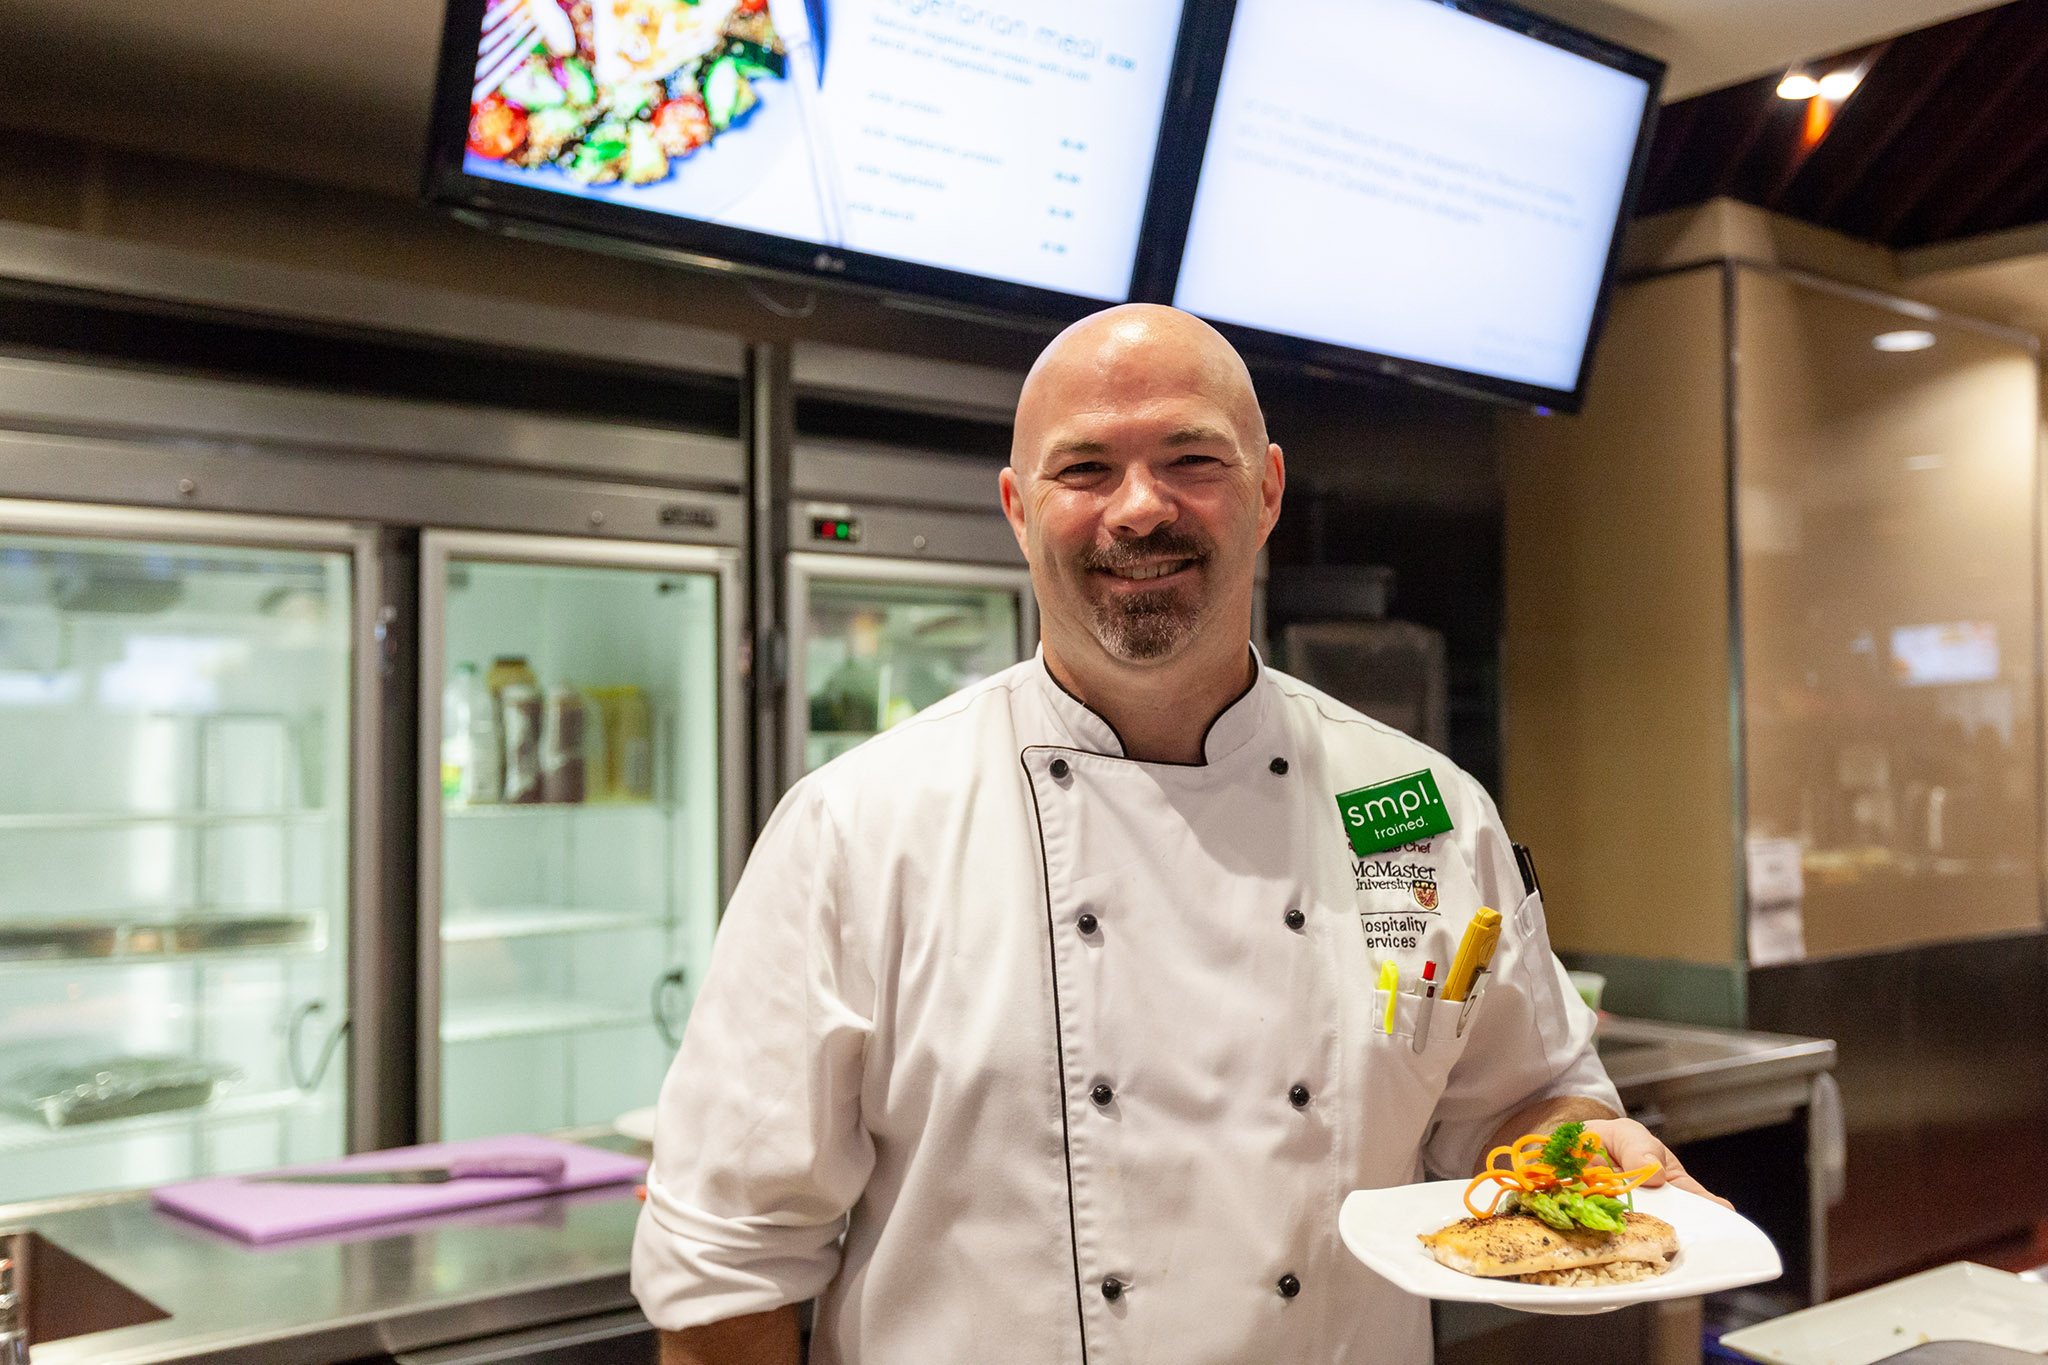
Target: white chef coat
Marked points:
912	1034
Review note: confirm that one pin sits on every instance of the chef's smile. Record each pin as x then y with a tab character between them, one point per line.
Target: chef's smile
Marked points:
1157	574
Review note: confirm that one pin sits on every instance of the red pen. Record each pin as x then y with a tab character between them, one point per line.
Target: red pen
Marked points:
1429	981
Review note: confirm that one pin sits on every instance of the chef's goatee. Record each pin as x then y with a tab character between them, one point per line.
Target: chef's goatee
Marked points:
1152	624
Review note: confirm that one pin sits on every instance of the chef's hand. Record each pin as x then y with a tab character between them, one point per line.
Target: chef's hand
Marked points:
1629	1145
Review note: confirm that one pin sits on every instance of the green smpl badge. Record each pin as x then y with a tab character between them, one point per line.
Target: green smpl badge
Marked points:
1393	813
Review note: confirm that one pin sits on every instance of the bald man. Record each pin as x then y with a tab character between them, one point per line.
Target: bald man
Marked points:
1044	1027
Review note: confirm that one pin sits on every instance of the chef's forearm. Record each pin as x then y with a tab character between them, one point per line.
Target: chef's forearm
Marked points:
1543	1116
758	1339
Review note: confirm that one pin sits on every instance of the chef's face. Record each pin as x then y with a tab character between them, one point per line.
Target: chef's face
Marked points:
1141	487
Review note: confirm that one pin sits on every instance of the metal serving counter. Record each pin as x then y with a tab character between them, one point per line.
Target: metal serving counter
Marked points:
1692	1085
554	1270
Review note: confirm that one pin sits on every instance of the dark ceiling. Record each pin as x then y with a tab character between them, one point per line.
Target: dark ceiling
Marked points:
1946	137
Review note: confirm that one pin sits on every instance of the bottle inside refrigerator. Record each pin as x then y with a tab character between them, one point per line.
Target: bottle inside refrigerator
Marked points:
576	910
174	844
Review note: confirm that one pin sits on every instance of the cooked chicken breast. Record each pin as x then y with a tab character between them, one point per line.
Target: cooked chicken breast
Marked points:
1521	1244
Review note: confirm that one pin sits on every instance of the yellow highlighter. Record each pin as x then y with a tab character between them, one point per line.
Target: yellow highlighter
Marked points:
1482	935
1390	982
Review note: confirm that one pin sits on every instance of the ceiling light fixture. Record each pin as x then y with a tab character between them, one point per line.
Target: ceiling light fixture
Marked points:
1911	340
1839	85
1797	85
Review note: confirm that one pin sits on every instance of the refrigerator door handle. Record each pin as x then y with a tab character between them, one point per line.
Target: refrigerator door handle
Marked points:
387	640
327	1050
666	1002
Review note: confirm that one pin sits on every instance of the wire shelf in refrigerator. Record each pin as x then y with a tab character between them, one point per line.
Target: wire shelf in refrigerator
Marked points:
494	810
59	820
530	921
236	624
21	1134
128	941
474	1021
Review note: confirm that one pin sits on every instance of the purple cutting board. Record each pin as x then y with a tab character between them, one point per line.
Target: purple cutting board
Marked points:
256	1211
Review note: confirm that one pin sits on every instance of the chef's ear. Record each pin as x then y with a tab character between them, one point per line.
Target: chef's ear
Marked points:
1013	507
1272	483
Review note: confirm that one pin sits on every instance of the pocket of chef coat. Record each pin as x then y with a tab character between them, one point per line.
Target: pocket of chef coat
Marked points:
1441	1024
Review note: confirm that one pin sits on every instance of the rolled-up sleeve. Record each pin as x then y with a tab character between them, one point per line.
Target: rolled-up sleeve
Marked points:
1531	1036
759	1146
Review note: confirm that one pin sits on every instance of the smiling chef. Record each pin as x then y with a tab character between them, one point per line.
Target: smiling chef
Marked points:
1047	1026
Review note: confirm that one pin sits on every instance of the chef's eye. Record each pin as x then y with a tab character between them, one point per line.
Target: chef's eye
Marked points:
1083	469
1196	461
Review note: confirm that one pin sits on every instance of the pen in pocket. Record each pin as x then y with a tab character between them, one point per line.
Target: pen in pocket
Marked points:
1425	1008
1390	982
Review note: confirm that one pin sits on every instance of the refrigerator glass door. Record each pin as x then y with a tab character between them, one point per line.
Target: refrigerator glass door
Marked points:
575	755
174	853
879	641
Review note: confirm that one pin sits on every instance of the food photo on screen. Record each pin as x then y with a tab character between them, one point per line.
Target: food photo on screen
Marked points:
1013	144
651	99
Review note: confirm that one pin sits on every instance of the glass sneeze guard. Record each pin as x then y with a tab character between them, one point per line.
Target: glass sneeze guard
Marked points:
1890	627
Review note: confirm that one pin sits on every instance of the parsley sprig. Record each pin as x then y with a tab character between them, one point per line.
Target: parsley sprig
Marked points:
1562	1153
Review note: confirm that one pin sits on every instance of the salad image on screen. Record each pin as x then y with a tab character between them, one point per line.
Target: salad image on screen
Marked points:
1011	146
617	91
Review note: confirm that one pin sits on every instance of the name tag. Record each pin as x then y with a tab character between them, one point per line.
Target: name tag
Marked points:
1390	814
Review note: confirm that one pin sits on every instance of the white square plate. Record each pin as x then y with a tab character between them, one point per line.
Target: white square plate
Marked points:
1717	1249
1959	1302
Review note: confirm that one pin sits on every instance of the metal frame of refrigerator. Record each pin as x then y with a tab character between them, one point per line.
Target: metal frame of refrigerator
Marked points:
104	450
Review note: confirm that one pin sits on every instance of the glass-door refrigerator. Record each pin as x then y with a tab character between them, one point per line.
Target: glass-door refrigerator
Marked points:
181	742
904	583
583	796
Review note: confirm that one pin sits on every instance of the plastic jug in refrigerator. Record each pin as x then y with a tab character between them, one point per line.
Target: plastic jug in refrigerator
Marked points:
472	764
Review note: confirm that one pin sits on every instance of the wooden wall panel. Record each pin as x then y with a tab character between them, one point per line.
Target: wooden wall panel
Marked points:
1616	685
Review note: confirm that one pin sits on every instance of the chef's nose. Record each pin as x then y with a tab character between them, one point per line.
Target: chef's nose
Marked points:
1141	504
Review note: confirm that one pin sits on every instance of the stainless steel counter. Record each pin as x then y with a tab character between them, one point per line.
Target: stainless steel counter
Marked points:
1690	1082
400	1288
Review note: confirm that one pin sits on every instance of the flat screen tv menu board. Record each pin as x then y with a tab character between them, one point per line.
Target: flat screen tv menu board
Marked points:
998	153
1417	187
